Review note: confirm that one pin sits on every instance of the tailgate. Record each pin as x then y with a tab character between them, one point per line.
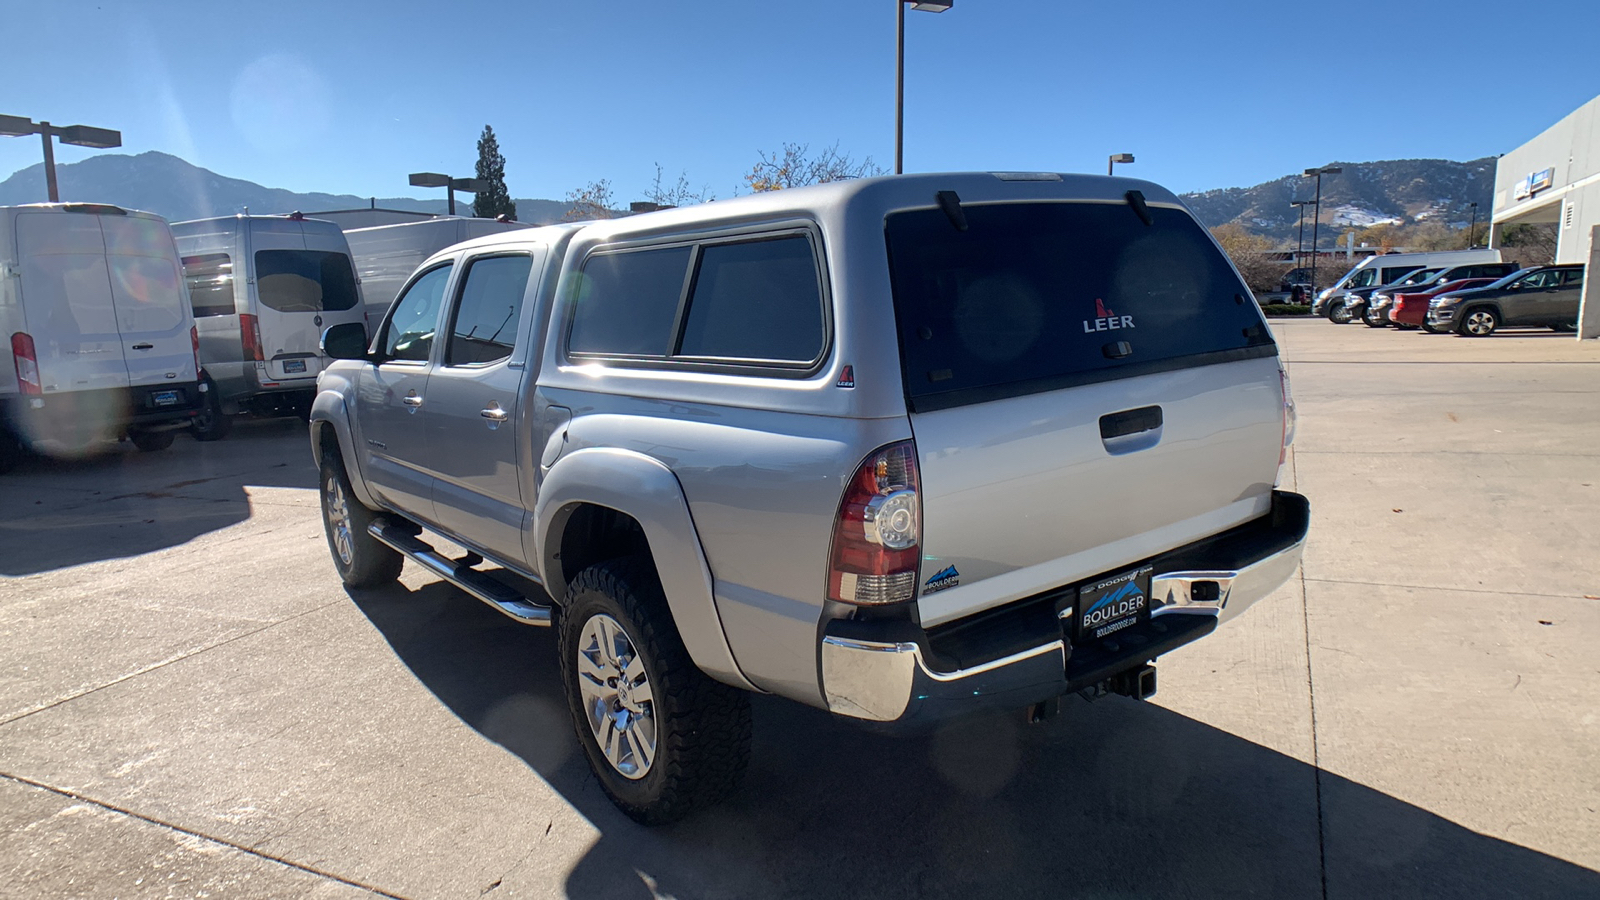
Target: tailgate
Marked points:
1089	384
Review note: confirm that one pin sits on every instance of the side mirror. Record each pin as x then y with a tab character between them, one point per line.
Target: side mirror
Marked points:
346	341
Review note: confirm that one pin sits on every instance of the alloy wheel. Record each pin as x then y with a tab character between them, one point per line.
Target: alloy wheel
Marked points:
337	506
617	697
1480	322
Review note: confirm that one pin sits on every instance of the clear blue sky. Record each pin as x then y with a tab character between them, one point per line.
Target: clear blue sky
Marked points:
349	97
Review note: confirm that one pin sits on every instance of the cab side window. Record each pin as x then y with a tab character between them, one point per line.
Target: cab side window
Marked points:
484	327
408	334
1572	278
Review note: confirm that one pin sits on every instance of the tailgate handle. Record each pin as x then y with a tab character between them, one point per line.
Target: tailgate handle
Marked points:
1132	421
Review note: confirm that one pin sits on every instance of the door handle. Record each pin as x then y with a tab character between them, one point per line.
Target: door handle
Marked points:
494	414
144	346
411	400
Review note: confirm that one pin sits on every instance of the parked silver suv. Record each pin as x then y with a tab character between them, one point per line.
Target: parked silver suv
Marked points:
898	448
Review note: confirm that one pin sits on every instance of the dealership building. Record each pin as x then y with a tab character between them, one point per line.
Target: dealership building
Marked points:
1554	179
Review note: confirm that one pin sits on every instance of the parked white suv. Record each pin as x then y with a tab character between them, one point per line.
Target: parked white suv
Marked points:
898	448
96	339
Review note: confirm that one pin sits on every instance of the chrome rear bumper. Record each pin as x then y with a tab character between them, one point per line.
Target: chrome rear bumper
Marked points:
890	672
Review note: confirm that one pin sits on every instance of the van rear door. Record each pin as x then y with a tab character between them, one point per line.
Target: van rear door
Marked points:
67	303
304	283
152	312
1086	390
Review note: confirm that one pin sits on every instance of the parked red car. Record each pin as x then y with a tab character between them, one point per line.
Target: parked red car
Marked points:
1410	310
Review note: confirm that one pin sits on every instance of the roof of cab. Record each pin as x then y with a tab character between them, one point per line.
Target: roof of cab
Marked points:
82	208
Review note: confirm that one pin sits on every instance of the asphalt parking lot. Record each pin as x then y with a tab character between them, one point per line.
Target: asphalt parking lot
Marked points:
190	705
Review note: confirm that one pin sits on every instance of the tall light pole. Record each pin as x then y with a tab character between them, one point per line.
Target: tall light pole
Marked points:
1472	236
1300	243
78	135
1316	217
936	6
1115	158
450	185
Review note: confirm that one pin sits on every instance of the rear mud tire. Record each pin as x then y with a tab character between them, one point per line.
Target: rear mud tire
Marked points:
212	424
700	727
152	441
362	561
11	450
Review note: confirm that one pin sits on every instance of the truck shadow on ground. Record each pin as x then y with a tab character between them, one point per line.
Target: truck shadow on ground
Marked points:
119	502
1114	798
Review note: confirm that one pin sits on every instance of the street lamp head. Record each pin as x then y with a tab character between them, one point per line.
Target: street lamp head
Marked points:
1325	170
16	126
429	179
936	6
1301	202
87	136
1122	157
470	185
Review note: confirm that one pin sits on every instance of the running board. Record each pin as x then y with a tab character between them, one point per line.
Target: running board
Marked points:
498	595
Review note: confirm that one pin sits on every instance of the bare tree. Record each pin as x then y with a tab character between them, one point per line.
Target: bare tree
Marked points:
1252	255
678	193
592	201
794	167
1532	245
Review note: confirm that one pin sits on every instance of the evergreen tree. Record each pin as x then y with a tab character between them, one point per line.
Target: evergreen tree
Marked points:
495	201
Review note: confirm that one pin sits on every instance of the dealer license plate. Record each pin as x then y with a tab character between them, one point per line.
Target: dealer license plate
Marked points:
164	398
291	366
1112	604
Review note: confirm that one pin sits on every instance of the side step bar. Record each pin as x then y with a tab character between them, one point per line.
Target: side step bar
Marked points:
476	583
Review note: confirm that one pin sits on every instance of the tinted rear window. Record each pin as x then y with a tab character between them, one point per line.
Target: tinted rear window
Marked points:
210	278
305	280
1043	295
758	300
627	302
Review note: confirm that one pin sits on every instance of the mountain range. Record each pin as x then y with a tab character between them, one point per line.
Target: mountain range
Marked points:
178	190
1364	194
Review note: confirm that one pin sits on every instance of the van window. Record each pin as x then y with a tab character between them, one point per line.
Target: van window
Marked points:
627	302
414	318
305	280
486	319
756	300
210	279
1039	296
1363	278
1393	274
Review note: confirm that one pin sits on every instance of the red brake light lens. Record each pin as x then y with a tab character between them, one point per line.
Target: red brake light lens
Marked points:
250	334
26	362
877	545
194	344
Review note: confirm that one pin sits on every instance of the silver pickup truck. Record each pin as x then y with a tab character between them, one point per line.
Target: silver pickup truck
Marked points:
898	448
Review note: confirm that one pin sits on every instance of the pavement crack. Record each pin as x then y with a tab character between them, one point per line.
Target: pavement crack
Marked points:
1311	700
1435	587
221	841
163	664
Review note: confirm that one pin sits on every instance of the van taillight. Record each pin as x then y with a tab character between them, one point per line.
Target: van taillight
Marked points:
250	334
27	363
194	344
877	541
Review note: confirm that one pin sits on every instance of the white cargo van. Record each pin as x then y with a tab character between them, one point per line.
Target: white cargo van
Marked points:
263	289
1387	268
386	255
96	339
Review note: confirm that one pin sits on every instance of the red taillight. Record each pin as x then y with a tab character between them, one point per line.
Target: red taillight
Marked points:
250	334
194	344
877	543
27	363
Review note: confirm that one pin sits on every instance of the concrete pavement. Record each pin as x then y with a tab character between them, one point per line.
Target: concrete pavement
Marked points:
190	705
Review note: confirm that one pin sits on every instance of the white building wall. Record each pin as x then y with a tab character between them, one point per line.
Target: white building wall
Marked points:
1571	148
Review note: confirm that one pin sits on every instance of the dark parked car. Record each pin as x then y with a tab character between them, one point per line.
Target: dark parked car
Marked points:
1376	311
1540	297
1346	307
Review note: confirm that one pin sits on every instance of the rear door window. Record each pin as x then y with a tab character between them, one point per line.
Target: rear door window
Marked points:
305	280
210	279
1573	278
485	323
1038	296
756	301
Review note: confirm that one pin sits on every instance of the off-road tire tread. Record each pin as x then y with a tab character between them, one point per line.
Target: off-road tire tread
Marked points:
703	753
375	563
223	423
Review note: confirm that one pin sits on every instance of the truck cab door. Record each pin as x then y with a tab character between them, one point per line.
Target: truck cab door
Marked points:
475	421
392	397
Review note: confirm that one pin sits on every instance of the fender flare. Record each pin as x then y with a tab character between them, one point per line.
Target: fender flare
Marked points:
643	488
328	411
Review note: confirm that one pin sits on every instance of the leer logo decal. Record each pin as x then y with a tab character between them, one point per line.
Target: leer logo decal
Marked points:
1105	320
946	577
